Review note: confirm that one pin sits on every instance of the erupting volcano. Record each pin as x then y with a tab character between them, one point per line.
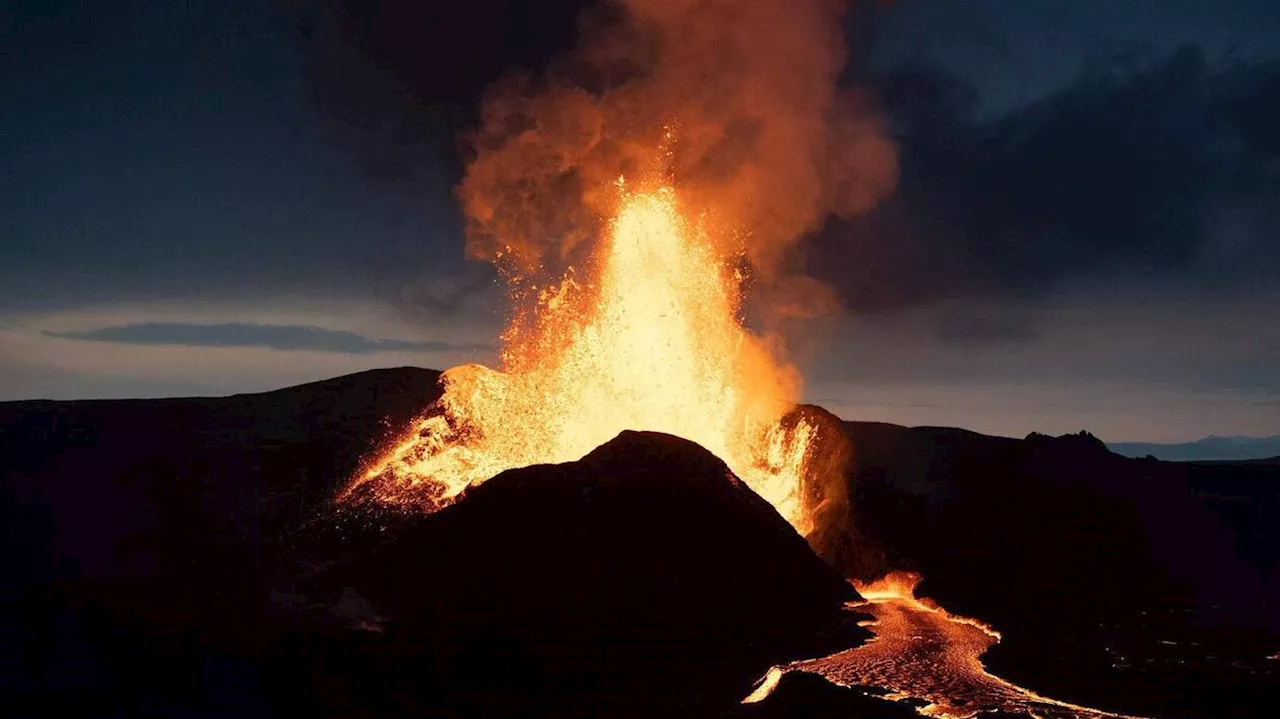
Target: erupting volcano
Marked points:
647	337
686	210
634	200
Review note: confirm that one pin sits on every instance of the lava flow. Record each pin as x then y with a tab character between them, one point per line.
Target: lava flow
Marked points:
648	337
922	652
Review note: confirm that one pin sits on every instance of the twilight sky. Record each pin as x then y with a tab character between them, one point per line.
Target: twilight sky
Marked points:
218	196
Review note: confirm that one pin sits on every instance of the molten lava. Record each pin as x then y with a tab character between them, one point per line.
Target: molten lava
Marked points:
922	652
649	337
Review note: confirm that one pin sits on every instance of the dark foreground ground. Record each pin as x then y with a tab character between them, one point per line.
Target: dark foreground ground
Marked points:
180	557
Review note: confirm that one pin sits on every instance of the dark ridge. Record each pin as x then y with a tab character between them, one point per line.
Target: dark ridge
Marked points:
144	537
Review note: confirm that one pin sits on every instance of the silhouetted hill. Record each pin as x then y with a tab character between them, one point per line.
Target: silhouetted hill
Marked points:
1207	449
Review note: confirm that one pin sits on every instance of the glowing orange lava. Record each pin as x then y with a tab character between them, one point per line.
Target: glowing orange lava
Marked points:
647	338
921	651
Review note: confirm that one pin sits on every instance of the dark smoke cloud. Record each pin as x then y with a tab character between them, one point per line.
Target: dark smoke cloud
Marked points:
1168	172
398	81
406	71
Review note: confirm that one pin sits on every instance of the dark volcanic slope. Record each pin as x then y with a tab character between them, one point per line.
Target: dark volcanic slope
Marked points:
644	577
167	517
126	488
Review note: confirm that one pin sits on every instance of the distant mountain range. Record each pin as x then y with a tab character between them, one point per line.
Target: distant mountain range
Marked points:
1209	448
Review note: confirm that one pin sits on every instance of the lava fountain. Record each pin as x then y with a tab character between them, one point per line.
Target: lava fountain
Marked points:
736	138
647	336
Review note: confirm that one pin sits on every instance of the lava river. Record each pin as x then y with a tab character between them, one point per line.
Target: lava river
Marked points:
922	652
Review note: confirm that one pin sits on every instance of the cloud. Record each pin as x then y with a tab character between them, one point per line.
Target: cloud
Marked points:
241	334
472	291
983	329
54	355
1167	173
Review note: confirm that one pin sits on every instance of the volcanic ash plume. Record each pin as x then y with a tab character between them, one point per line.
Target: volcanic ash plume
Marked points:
631	196
737	101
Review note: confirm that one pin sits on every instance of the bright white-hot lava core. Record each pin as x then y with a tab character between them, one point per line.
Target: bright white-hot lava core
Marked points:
647	337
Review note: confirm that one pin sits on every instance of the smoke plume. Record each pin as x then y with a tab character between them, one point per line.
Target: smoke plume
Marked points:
734	101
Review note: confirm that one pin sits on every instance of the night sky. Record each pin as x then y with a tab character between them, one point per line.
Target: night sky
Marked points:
222	196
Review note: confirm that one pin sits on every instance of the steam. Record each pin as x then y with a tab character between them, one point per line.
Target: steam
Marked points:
733	101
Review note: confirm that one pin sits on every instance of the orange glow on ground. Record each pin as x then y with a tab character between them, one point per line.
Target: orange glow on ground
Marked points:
649	338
